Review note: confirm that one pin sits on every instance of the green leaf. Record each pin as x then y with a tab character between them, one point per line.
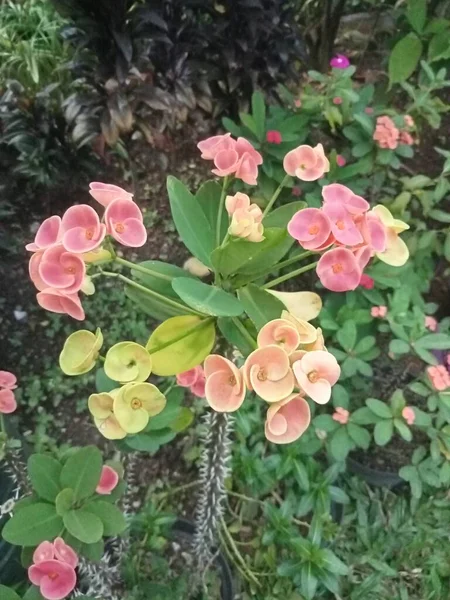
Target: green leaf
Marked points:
447	247
364	416
281	216
235	337
232	127
325	423
44	472
308	582
361	149
359	435
208	196
157	309
366	122
170	412
301	475
82	471
33	593
383	432
32	525
150	442
161	280
404	151
404	58
207	299
183	420
379	408
111	517
259	305
190	221
259	114
439	215
365	344
332	562
399	347
403	429
64	501
249	122
416	13
102	382
84	525
340	444
347	335
93	552
8	594
439	47
434	341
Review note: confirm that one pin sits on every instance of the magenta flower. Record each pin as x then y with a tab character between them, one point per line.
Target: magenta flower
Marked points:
124	221
338	270
47	235
366	282
109	479
59	301
8	402
340	61
339	194
287	420
316	372
342	225
409	415
340	160
81	229
105	193
311	228
306	163
8	380
55	579
62	270
274	137
337	100
225	387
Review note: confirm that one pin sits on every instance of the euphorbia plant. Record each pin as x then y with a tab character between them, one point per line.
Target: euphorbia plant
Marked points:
284	359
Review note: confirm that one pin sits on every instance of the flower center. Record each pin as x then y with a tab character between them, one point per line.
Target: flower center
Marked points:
89	234
337	268
313	230
313	376
232	380
119	227
302	166
52	576
262	375
136	403
340	225
70	270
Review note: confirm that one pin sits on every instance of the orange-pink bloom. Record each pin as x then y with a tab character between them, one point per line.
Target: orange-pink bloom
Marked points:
279	332
379	311
409	415
194	379
62	270
439	377
431	323
59	301
225	387
406	138
105	193
341	415
109	479
386	133
311	227
306	163
48	234
81	229
8	380
339	270
124	221
267	371
316	372
287	420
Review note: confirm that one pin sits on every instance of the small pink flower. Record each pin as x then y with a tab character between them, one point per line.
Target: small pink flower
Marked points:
198	388
373	231
268	372
379	311
439	377
47	235
386	133
62	270
409	415
59	301
311	227
237	202
297	103
339	194
368	110
81	229
55	579
188	378
287	420
366	282
337	100
215	144
316	372
431	323
249	159
338	270
8	380
306	163
65	553
33	270
109	479
447	359
45	551
363	254
8	402
340	160
225	387
341	415
342	225
105	193
340	61
406	138
296	191
279	332
124	222
274	137
232	157
409	121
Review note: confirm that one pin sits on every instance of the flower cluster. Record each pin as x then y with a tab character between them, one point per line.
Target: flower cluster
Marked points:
8	403
355	232
53	569
439	377
194	379
290	362
246	218
63	246
232	157
387	135
341	415
378	312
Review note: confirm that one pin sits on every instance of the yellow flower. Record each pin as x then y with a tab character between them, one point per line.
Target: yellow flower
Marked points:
127	362
396	253
302	305
101	408
99	255
135	404
80	352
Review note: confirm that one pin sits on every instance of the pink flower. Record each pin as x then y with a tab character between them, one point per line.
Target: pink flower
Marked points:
409	415
338	270
109	479
47	235
337	100
124	222
373	231
366	282
274	137
65	553
311	228
287	420
316	372
340	160
59	301
81	229
296	191
239	201
45	551
8	402
368	110
188	378
55	579
268	372
431	323
406	138
297	103
215	144
306	163
33	270
340	61
341	415
339	194
199	387
386	133
225	387
62	270
439	377
379	311
8	380
105	193
232	157
409	121
342	225
279	332
363	254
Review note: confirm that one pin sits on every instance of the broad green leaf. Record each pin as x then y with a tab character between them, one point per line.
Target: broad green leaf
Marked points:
249	122
234	336
170	412
281	216
64	501
180	343
434	341
440	215
331	561
308	581
32	593
150	442
416	13
340	444
259	305
7	593
183	420
379	408
363	416
404	58
161	280
32	525
207	299
365	344
359	435
383	432
82	471
361	149
366	122
85	526
102	382
232	127
347	335
439	48
111	517
403	429
404	151
44	472
259	114
208	196
154	307
93	552
399	347
190	221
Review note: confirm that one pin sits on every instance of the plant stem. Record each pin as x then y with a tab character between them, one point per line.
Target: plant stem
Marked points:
220	211
278	280
237	554
181	336
141	269
275	196
244	332
276	267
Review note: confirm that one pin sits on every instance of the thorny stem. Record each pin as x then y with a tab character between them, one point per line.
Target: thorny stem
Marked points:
275	196
278	280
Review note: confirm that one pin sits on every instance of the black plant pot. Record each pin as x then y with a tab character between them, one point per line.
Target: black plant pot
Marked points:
185	528
374	476
11	570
